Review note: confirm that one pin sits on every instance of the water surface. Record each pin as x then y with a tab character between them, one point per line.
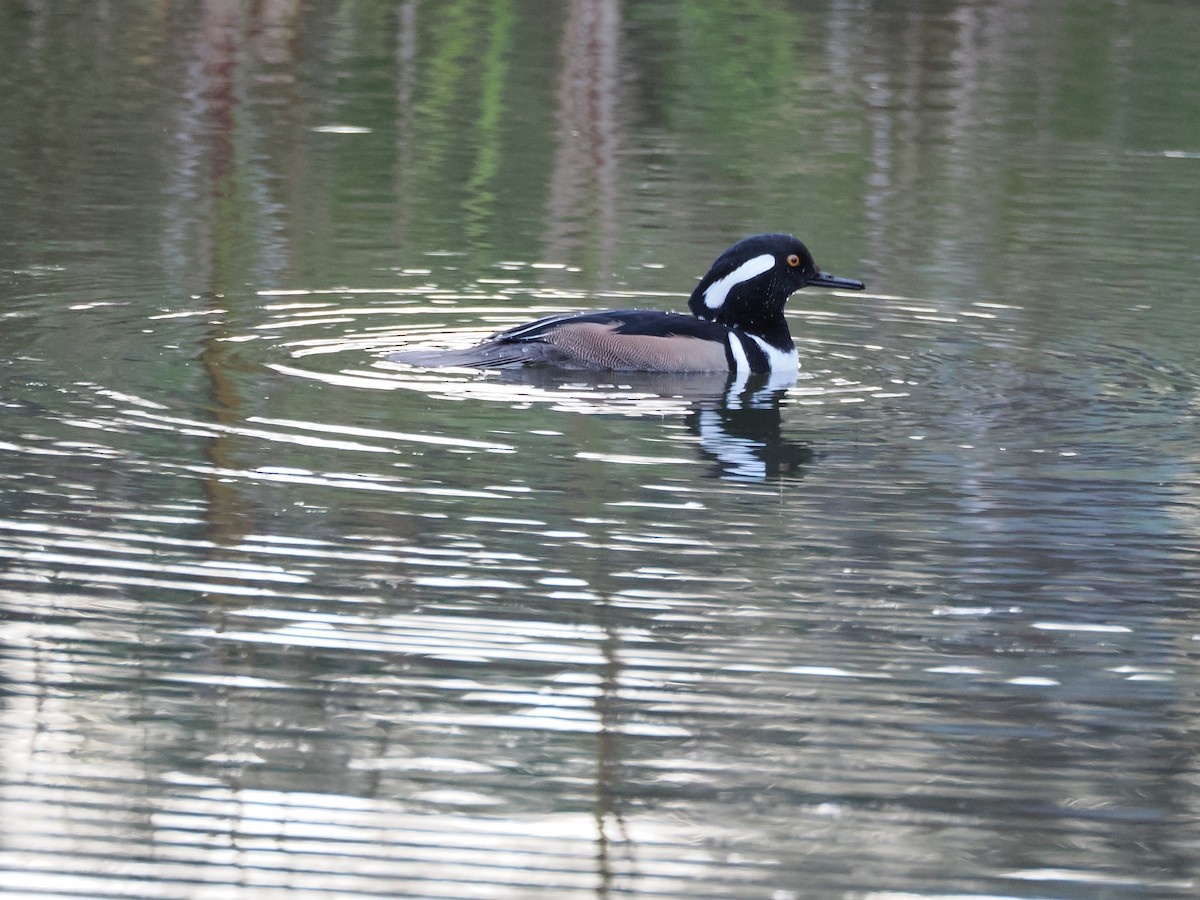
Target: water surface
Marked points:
280	616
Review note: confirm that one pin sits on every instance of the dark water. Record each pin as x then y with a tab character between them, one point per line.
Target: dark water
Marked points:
282	618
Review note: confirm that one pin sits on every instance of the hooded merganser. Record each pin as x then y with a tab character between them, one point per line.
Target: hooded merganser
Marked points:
737	323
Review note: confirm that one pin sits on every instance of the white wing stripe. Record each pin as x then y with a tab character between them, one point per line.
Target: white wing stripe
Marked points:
519	331
741	364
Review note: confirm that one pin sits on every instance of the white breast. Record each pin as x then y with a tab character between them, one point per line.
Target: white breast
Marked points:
783	363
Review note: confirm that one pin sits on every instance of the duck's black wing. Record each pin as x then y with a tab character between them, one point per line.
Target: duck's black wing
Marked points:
622	339
648	322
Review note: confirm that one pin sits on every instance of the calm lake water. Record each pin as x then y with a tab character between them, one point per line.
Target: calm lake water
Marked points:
279	617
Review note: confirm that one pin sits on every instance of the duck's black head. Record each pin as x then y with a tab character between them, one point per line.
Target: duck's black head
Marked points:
749	283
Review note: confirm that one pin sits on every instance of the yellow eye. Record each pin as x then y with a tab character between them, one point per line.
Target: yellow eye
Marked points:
793	260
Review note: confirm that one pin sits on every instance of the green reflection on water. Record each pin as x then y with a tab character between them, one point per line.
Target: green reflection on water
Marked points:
481	195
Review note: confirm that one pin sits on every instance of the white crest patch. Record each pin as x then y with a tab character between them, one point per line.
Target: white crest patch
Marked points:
715	293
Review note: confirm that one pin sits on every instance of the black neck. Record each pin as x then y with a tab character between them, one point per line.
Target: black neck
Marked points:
771	328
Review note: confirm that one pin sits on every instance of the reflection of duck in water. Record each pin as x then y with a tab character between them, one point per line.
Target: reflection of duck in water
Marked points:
742	433
737	324
737	419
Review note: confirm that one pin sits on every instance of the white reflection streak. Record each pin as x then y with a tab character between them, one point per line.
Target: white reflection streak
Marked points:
118	538
816	671
201	587
63	537
231	570
31	450
383	435
374	382
448	636
587	400
1083	627
1088	877
546	720
339	836
209	429
630	460
334	481
438	647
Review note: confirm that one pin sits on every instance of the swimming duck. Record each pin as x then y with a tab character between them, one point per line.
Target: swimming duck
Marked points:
737	323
